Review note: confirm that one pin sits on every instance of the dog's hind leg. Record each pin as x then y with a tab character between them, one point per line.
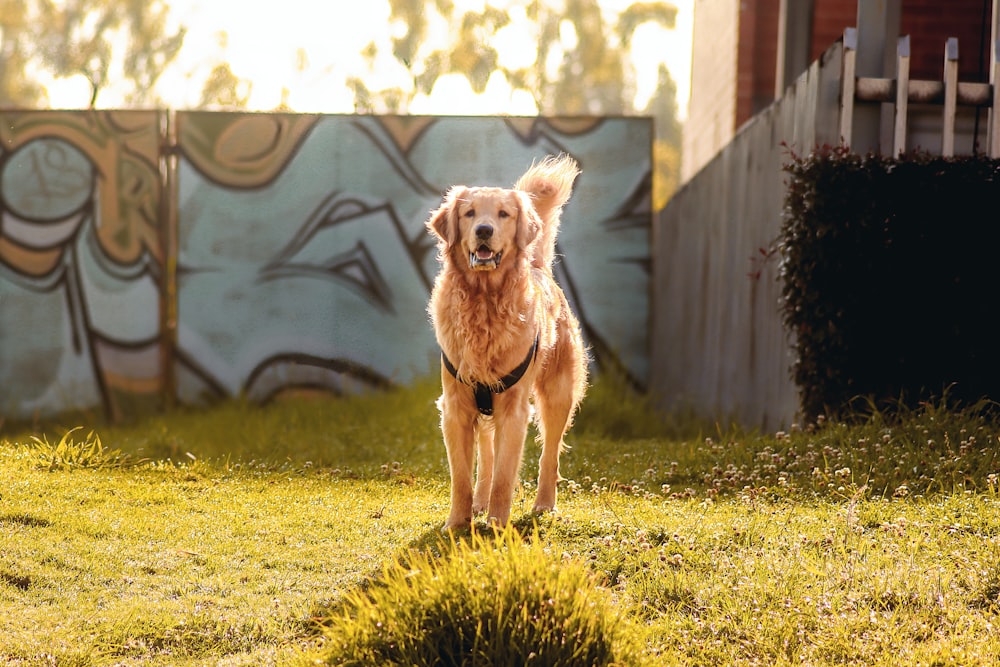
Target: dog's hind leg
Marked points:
555	406
511	423
484	468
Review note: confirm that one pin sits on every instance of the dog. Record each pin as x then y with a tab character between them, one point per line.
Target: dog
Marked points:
507	336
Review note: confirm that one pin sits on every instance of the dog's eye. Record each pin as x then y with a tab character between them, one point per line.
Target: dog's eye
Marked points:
503	214
471	213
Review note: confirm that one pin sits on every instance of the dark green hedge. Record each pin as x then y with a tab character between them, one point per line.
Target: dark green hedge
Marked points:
891	279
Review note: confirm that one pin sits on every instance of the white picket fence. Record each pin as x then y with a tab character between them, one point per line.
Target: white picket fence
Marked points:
718	344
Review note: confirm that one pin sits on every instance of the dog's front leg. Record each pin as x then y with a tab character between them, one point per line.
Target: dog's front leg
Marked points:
457	427
511	424
458	439
484	467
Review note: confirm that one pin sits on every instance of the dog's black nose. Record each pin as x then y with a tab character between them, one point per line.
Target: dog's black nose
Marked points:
483	232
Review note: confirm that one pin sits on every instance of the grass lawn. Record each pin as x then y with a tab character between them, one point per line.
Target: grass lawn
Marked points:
233	536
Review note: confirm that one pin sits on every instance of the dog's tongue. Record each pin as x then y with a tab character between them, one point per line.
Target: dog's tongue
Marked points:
484	254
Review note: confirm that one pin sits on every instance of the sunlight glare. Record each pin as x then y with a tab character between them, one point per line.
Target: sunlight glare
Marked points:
498	98
66	92
567	35
304	55
512	40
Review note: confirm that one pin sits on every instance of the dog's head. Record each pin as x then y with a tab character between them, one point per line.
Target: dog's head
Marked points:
484	228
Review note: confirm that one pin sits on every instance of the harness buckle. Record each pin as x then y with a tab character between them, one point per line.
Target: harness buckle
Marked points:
484	393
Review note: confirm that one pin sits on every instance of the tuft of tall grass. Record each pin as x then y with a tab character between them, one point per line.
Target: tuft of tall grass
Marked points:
489	601
69	454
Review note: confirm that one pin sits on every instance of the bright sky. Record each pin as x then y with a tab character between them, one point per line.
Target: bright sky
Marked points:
310	49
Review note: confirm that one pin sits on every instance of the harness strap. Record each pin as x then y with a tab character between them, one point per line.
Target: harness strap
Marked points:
484	392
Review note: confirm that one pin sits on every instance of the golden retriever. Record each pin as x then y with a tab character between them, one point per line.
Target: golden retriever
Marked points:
507	337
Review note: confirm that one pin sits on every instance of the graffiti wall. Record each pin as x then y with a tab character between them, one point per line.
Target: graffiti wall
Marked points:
79	261
277	251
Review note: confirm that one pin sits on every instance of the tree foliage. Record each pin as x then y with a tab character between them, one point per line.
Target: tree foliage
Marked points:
667	141
591	76
15	85
225	89
581	67
76	37
580	61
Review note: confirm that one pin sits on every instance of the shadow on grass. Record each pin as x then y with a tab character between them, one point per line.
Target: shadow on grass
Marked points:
436	543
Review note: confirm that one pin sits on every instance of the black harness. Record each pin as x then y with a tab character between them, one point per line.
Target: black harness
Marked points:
484	392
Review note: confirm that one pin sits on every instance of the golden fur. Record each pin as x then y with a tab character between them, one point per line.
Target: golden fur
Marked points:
493	295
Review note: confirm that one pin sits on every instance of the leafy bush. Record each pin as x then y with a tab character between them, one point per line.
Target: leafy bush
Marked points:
888	278
481	604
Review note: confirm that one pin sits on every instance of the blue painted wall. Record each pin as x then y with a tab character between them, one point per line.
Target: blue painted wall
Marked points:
301	257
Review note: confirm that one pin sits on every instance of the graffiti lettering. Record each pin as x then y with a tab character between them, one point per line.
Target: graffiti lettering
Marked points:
47	179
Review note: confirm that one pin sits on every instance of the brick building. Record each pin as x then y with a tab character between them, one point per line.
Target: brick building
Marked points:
746	51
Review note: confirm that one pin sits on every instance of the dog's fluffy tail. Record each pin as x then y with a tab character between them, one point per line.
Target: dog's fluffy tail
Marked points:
549	183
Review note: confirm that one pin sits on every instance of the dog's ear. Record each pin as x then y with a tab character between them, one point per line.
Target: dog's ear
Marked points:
443	222
528	223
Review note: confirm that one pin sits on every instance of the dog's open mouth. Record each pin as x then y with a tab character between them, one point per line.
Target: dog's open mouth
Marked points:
484	259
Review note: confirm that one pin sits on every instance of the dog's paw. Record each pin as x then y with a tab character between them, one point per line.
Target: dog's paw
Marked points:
480	499
543	508
457	526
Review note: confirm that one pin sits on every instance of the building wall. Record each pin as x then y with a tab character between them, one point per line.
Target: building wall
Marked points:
712	107
931	22
758	56
830	17
735	51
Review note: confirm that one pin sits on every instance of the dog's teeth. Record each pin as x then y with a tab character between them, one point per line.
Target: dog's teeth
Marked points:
484	259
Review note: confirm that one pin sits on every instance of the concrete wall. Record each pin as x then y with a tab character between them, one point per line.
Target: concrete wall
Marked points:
718	344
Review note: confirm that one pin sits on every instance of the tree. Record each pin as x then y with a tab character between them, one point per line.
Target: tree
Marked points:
581	68
592	76
73	37
225	89
16	88
667	142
